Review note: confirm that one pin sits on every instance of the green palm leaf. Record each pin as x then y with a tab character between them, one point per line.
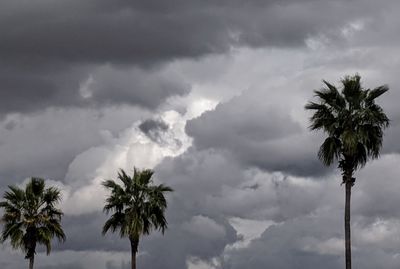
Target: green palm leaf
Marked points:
352	120
31	217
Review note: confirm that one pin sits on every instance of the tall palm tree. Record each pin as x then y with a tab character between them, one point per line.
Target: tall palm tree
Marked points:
138	207
31	217
354	124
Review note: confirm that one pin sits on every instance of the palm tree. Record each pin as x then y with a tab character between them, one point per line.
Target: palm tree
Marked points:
138	207
354	124
31	217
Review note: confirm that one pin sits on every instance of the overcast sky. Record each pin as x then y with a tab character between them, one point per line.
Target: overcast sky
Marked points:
210	94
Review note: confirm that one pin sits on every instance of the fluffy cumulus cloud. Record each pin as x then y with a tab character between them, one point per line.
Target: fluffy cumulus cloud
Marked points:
258	134
211	95
315	239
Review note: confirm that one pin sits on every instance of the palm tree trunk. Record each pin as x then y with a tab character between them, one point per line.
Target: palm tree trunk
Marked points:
134	249
347	235
31	260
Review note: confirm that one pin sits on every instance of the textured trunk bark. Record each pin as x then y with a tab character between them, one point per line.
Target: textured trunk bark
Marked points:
347	234
31	245
31	260
133	261
134	249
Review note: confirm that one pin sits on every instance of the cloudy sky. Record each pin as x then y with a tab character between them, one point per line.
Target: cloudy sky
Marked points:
210	94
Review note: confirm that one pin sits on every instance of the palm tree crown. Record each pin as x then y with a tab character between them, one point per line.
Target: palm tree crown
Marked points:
31	217
353	121
138	206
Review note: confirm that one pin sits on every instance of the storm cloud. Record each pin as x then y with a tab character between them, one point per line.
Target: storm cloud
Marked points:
211	95
52	51
258	134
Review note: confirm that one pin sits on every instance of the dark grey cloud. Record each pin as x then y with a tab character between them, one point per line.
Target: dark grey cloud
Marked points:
258	134
121	265
49	49
181	242
286	246
316	239
45	144
84	86
309	242
148	89
197	177
212	183
153	129
67	265
148	126
310	212
137	32
84	234
378	182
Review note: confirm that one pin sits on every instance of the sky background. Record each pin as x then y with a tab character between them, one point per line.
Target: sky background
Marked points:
210	94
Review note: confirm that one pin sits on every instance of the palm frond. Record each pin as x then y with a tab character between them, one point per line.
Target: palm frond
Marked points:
330	150
144	176
352	120
124	178
35	187
31	217
15	196
138	208
352	90
375	93
323	118
52	195
362	155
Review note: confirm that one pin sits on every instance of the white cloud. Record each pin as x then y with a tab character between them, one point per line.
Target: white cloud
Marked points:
83	192
248	230
197	263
